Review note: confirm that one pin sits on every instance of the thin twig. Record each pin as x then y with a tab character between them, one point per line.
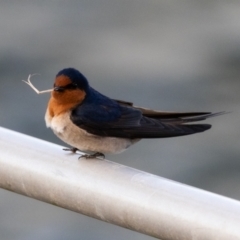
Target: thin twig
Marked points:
28	82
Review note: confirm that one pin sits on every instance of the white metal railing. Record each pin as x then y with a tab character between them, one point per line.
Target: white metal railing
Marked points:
114	193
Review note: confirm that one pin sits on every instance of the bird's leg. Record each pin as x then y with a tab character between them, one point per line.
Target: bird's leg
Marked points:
73	149
94	155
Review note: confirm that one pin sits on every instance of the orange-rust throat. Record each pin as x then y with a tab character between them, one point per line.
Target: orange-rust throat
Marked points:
63	101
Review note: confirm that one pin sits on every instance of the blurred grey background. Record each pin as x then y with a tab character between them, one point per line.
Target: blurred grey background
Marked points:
169	55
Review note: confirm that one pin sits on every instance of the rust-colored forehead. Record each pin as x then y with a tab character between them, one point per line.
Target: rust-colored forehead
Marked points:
62	81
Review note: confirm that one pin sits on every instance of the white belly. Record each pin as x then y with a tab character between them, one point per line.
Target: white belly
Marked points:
76	137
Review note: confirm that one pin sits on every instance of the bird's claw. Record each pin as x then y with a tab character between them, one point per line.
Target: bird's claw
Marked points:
94	155
73	150
87	156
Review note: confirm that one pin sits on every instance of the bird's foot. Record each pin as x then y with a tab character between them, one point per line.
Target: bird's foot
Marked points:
94	155
73	150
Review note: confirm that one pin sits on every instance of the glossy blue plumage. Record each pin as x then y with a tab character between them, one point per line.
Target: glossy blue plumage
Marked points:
76	77
98	108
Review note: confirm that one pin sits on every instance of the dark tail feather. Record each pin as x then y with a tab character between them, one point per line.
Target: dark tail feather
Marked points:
193	118
194	128
182	130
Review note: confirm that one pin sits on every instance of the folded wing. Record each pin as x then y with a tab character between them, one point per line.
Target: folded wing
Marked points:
122	119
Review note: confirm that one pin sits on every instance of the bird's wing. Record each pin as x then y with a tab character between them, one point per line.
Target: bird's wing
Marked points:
161	114
172	117
120	119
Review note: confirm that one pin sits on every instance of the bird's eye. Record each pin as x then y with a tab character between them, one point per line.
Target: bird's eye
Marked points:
71	86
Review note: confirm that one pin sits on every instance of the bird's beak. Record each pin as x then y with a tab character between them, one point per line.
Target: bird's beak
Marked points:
58	89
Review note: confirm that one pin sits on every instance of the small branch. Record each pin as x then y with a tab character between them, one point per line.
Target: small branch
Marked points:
28	82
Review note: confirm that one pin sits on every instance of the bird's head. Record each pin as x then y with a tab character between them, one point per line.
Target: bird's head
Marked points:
70	86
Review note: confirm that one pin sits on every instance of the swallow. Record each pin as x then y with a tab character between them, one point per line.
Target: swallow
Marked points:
93	123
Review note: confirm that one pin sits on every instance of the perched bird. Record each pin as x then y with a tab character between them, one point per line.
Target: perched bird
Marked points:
93	123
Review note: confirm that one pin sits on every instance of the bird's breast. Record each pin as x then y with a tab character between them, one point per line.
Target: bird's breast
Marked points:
76	137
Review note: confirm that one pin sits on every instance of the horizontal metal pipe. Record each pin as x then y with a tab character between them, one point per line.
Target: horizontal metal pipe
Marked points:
114	193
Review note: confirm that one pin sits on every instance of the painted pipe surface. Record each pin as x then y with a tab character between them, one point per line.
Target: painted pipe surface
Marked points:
114	193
